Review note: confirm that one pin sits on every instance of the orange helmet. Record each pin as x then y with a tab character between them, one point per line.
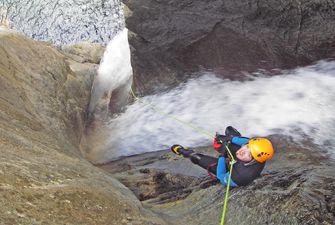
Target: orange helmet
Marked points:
261	149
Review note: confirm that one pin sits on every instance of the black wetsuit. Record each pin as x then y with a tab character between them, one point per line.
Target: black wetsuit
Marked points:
242	174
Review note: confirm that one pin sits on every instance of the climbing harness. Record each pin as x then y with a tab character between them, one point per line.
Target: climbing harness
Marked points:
206	133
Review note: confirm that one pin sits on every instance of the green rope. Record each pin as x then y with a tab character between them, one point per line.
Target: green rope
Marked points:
231	155
200	130
228	185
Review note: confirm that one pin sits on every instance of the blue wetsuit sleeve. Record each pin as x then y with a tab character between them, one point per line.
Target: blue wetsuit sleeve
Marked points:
222	174
240	140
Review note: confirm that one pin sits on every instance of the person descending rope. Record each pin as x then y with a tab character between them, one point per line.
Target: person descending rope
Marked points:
250	154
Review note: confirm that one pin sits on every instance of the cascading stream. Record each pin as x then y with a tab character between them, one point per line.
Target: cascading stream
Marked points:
297	103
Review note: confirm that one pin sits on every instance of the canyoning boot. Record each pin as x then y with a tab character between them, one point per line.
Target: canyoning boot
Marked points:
231	132
180	150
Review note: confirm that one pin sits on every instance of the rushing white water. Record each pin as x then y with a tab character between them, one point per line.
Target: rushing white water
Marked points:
299	103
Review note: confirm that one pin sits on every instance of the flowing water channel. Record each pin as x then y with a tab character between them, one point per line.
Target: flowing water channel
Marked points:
299	103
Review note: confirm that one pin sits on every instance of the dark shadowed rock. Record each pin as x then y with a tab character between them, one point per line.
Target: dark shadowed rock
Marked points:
172	39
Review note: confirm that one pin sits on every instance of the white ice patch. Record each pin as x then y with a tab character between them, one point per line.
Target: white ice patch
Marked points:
115	69
302	100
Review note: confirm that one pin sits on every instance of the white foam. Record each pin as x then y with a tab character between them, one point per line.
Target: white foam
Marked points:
301	100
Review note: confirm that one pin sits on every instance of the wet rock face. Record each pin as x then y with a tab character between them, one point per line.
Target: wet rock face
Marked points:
65	21
84	52
298	193
296	187
173	37
43	177
155	183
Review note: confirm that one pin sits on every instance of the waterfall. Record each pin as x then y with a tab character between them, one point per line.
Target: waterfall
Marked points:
299	103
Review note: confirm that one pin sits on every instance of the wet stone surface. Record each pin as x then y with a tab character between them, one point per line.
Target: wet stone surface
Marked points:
296	187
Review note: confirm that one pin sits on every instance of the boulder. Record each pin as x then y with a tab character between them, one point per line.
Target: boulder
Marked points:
83	52
172	40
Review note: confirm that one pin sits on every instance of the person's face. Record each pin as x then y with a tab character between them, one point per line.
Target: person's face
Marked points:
244	154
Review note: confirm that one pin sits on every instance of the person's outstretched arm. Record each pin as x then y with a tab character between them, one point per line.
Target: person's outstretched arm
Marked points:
239	140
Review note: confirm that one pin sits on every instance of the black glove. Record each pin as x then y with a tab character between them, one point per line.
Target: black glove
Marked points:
220	139
219	144
223	139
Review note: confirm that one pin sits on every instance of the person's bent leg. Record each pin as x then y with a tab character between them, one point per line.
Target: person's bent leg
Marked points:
205	161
